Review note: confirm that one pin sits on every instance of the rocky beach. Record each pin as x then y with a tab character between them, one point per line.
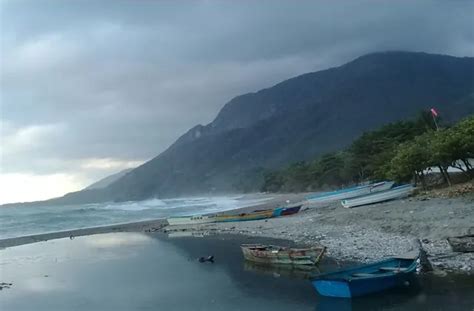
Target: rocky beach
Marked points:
361	234
372	232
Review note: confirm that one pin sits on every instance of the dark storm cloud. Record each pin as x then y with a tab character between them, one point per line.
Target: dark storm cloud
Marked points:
85	80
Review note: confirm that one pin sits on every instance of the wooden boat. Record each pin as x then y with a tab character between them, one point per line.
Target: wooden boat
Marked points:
464	244
342	194
285	211
380	196
366	279
245	216
190	220
270	254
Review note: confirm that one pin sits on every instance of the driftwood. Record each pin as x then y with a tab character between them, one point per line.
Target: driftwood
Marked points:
463	244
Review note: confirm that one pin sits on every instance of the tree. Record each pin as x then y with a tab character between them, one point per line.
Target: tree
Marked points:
411	159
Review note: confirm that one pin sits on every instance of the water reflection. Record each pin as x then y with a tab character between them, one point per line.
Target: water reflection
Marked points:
292	272
130	271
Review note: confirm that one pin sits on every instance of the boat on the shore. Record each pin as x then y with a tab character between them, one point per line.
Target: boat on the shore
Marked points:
285	211
190	220
366	279
347	193
463	244
263	214
380	196
270	254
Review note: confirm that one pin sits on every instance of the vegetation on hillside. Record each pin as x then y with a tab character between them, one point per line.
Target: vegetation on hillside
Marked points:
401	151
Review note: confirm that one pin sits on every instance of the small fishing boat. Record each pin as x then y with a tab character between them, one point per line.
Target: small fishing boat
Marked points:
380	196
342	194
263	214
285	211
270	254
190	220
463	244
366	279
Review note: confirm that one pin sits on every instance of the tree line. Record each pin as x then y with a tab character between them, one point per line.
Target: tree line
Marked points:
402	151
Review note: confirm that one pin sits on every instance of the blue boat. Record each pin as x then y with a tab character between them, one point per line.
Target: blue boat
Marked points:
285	211
366	279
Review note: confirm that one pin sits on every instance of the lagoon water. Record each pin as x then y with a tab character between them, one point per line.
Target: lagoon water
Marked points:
24	220
135	271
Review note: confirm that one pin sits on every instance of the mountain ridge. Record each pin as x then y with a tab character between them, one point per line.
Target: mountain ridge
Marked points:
298	119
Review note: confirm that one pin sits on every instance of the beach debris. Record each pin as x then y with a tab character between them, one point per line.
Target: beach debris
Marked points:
209	258
5	285
463	244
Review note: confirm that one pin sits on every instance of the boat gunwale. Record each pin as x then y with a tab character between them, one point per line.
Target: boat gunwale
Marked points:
327	276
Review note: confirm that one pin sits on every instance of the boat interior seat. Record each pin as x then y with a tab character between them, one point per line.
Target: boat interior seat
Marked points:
358	275
393	269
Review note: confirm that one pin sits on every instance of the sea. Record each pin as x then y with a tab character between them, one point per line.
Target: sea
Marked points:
20	221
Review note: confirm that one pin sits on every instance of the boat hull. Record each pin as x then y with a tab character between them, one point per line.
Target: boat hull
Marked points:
286	211
190	220
349	192
245	217
381	196
282	255
367	279
361	287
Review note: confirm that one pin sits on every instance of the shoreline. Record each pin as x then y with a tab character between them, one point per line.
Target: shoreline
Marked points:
140	226
361	234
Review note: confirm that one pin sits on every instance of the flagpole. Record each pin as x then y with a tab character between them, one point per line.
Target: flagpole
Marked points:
434	114
436	123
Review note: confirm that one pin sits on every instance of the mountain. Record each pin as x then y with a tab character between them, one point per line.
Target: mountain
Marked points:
297	119
300	118
105	182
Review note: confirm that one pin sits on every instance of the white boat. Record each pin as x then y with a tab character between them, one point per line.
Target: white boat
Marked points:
347	193
190	220
381	196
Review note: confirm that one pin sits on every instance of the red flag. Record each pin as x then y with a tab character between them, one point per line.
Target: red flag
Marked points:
434	112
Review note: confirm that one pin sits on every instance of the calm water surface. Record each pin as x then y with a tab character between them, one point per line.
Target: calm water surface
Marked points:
134	271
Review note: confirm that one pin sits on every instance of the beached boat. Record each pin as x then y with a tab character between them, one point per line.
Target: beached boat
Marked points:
270	254
381	196
366	279
245	216
342	194
463	244
285	211
190	220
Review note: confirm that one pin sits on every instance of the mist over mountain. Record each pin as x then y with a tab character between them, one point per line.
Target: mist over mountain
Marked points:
294	120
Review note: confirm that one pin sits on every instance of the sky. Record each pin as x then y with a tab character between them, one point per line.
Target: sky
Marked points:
89	88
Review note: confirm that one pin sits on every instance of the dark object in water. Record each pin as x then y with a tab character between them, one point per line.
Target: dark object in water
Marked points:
366	279
208	258
271	254
463	244
5	285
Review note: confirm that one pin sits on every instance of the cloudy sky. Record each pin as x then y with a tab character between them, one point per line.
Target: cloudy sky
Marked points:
89	88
